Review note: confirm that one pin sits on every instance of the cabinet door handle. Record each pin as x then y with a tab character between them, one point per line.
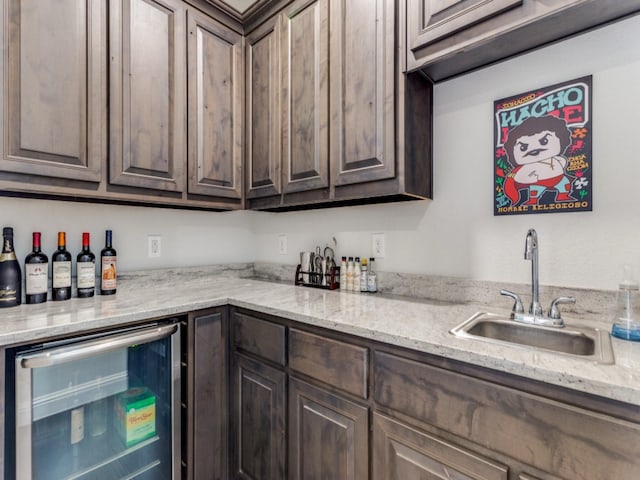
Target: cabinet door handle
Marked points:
82	350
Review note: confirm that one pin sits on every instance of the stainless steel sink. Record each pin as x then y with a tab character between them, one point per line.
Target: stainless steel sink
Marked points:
588	343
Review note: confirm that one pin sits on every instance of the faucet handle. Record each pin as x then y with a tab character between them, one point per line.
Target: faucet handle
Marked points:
554	311
517	305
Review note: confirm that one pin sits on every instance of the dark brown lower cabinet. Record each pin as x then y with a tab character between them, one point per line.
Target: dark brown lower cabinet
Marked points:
205	398
328	435
559	438
402	452
313	404
258	412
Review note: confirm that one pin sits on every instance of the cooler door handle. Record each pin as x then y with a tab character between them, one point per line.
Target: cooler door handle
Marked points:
81	350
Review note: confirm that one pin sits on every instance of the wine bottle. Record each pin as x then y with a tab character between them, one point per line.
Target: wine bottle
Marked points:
36	273
10	274
108	261
86	269
61	270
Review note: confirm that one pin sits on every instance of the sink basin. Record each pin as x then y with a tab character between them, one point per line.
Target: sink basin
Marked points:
588	343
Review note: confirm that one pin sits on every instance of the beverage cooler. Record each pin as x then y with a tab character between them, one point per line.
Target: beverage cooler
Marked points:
98	407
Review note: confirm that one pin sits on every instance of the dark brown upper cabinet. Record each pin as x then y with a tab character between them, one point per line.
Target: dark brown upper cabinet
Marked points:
362	91
352	128
263	146
215	108
172	70
288	104
447	38
55	89
305	96
147	101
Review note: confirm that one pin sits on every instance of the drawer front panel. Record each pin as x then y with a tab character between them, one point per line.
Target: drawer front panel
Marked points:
403	452
259	337
330	361
559	438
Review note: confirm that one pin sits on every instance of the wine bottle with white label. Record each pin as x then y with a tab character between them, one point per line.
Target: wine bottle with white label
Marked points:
108	262
36	273
86	269
61	270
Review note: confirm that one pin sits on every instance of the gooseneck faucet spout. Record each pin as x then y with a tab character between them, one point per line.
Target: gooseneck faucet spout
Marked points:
531	253
535	315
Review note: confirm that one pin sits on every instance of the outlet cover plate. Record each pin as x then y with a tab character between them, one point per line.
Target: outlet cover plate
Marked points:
377	245
154	246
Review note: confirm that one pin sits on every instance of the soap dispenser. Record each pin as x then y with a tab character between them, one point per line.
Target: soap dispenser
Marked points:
626	322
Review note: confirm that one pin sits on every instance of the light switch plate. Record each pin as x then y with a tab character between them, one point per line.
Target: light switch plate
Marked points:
282	244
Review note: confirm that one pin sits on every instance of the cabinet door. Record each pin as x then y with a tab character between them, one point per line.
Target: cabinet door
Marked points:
402	452
147	122
259	420
362	46
431	20
55	96
207	398
305	100
263	142
216	83
328	435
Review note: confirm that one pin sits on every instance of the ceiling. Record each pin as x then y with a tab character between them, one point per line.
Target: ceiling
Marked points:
240	6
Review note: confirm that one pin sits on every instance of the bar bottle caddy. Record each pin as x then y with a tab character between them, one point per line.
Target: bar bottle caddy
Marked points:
318	270
330	280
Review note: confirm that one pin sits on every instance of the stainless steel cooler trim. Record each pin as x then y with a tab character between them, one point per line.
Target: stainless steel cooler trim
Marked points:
79	351
176	410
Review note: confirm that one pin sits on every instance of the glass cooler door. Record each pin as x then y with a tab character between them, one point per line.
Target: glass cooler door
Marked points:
100	408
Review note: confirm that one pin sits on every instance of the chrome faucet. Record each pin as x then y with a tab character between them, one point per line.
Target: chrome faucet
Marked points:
536	314
531	253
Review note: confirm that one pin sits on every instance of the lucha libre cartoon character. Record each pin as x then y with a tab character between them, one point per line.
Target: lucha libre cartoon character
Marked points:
536	147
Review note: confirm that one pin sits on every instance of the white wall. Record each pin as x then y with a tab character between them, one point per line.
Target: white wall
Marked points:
455	234
188	237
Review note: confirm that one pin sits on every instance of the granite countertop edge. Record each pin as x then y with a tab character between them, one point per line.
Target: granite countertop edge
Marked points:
417	325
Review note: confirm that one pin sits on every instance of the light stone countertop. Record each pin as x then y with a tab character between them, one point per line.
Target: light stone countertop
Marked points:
419	325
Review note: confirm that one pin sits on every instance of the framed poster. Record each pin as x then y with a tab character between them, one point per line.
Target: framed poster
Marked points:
542	140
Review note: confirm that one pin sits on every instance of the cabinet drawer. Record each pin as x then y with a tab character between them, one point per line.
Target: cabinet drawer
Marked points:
330	361
400	451
259	337
584	444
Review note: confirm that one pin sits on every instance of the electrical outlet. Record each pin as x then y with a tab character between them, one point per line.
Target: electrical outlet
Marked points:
377	245
154	246
282	244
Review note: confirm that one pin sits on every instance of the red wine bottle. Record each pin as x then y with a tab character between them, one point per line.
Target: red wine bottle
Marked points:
36	273
108	261
10	274
61	270
86	269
